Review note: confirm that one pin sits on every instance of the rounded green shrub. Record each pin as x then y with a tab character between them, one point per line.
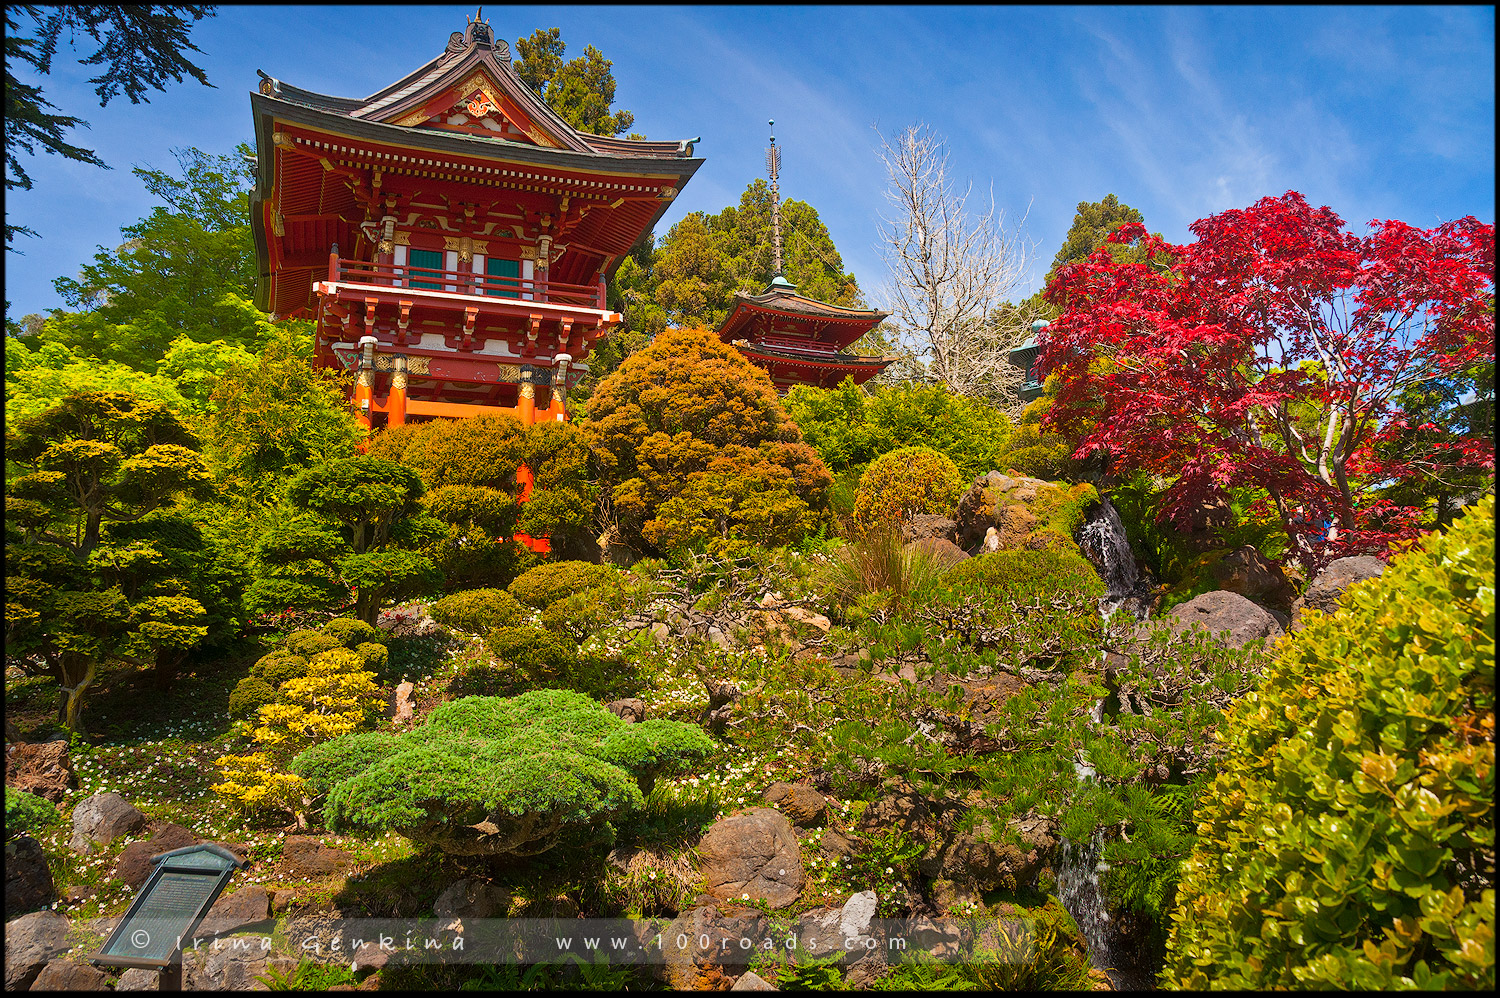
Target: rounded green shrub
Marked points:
532	650
27	813
493	776
334	761
543	585
279	666
309	643
478	610
906	482
351	632
1347	840
376	656
1022	576
249	696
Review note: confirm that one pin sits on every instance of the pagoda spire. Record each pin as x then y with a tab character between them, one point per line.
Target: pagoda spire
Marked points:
773	165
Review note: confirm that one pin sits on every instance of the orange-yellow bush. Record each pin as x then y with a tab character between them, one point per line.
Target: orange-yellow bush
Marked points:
905	482
698	451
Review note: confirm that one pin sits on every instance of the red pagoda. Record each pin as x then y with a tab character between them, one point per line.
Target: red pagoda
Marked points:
798	340
450	235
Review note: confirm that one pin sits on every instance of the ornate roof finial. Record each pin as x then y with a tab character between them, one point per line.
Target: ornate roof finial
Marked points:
773	165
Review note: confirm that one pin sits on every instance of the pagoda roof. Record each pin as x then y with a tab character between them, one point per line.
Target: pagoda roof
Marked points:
472	58
464	121
780	307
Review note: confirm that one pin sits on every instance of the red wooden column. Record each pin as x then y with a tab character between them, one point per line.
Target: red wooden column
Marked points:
395	405
364	387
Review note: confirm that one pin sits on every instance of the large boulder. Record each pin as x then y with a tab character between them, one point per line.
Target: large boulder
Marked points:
28	880
65	975
695	967
1218	612
101	819
471	899
30	941
1324	592
235	912
1254	576
41	768
803	805
928	526
1024	513
304	856
753	854
134	864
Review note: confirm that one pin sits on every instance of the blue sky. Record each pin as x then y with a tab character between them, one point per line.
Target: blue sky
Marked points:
1377	112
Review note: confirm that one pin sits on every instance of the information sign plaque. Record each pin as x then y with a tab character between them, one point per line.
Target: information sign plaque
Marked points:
181	889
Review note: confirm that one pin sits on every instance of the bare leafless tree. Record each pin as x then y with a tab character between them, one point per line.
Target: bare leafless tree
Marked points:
950	269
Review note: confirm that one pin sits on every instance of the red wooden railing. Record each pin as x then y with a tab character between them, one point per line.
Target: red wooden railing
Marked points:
392	275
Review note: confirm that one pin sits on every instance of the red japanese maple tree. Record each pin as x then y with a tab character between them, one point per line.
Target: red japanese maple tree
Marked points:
1272	353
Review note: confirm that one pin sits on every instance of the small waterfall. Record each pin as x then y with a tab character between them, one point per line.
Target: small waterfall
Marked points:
1103	542
1078	890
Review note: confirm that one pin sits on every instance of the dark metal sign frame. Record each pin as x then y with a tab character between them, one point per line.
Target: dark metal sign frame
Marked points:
174	870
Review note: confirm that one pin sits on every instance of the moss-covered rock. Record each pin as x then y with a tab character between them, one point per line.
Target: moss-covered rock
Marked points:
1026	513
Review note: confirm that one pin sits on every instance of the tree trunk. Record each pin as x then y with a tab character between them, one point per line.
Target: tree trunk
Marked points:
71	707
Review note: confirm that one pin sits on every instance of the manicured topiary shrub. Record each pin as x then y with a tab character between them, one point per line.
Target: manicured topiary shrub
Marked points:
905	482
518	776
1021	576
376	656
534	651
545	584
478	610
698	452
333	761
249	696
351	632
27	814
1348	838
279	666
309	643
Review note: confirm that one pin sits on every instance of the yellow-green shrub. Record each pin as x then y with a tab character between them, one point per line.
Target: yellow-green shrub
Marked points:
1348	840
253	782
906	482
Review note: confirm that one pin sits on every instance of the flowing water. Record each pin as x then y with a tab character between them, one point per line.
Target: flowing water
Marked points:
1102	540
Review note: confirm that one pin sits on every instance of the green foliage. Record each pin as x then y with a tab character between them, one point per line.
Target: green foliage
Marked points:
351	632
334	761
309	643
1022	576
96	462
537	653
1348	838
251	694
543	585
1033	452
308	975
704	260
39	377
880	562
281	665
581	90
271	418
508	776
478	610
698	453
905	483
851	427
26	814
